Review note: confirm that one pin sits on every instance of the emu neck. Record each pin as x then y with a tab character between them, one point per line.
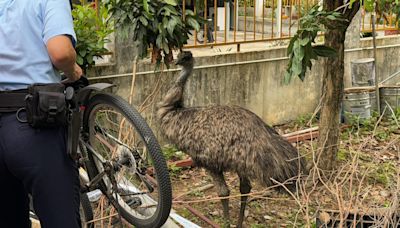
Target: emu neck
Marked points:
174	98
184	75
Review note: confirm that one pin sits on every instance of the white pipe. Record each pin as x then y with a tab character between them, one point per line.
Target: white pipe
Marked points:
196	67
279	19
371	48
390	77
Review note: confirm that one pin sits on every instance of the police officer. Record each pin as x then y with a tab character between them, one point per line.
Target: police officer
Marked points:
36	42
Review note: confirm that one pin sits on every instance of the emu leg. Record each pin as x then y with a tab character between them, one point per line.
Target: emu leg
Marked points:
245	188
223	191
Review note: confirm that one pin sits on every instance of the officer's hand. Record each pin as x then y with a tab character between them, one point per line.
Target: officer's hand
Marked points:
74	75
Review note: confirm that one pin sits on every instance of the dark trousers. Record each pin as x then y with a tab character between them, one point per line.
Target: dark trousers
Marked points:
34	161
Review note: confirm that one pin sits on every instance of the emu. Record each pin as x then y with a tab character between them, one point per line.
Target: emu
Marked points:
226	138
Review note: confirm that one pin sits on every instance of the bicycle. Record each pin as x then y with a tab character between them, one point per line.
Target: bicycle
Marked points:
208	28
117	153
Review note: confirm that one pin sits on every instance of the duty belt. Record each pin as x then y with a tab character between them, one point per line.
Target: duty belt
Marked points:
11	101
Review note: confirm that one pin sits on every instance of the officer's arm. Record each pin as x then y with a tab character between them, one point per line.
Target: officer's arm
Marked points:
63	56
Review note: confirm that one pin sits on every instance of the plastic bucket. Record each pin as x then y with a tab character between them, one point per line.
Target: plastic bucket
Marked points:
389	95
356	101
363	72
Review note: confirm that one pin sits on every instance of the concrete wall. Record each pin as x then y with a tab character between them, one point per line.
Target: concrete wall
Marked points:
256	86
249	79
388	57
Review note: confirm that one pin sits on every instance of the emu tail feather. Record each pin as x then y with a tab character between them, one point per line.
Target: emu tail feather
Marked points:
280	162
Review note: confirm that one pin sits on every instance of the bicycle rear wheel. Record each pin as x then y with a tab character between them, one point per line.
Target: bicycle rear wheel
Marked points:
121	146
86	211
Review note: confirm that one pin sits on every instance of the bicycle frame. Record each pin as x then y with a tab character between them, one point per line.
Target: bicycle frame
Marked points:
77	101
108	173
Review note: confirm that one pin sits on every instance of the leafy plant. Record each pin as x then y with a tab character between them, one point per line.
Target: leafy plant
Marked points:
303	120
342	155
383	173
156	24
197	193
359	124
383	8
172	153
91	31
174	170
301	49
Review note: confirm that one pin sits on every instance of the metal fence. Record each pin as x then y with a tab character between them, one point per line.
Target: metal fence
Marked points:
245	21
386	22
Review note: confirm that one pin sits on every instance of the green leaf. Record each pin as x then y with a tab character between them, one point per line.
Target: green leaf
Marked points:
324	51
287	78
331	17
143	20
193	23
351	3
82	52
79	60
189	13
159	41
81	15
171	2
298	50
297	67
146	5
290	47
369	5
171	26
305	41
89	59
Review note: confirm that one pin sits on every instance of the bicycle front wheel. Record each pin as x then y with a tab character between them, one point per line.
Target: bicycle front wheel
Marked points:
123	149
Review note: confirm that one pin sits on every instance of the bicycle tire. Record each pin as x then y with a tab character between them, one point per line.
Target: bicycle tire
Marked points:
86	211
154	151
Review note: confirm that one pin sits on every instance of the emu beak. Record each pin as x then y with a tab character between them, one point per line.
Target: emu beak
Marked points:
178	62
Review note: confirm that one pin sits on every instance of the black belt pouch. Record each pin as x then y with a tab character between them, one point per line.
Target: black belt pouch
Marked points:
46	105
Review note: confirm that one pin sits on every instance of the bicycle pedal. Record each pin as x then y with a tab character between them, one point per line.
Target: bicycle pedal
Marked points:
134	202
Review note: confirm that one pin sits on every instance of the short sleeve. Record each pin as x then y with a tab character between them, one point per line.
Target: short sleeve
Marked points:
57	20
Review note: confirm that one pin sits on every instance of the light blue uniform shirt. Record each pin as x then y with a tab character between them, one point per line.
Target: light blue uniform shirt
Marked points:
25	28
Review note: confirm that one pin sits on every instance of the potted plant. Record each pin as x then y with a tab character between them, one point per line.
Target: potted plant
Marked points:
91	30
158	25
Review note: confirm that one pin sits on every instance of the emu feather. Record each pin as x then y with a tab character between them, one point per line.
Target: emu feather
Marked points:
226	138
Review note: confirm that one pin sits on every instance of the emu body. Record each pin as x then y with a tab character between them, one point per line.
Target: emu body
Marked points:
226	138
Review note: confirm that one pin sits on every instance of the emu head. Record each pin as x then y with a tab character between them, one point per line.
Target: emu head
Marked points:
185	59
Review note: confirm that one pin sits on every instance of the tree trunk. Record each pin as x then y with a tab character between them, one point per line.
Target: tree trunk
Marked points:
332	88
